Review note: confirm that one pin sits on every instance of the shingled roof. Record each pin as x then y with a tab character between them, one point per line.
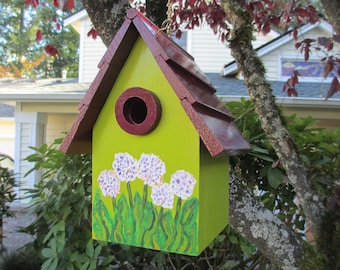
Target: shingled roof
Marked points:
212	120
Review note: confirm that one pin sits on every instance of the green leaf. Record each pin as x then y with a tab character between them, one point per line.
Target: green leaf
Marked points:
90	249
259	149
261	156
50	264
85	266
107	260
233	239
275	177
81	258
47	252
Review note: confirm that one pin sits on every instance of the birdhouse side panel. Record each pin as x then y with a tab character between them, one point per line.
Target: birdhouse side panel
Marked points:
214	197
146	187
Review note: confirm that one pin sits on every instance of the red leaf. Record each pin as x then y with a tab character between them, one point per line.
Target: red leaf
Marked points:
38	35
275	20
266	28
292	92
56	3
328	67
58	26
178	34
51	50
336	38
295	34
297	45
70	4
330	47
92	33
306	53
301	12
34	3
335	87
323	41
276	163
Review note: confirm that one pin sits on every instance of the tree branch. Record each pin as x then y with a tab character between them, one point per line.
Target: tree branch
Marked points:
260	93
260	227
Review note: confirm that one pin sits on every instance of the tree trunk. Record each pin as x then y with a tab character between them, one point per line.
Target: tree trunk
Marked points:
260	227
260	93
106	16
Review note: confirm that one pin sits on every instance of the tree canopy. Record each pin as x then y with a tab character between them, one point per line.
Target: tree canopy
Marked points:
34	41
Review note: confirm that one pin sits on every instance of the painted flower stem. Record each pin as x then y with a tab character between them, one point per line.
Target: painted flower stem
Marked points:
145	195
178	209
130	195
114	204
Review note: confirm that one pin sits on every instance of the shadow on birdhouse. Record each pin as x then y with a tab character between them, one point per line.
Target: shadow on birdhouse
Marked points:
160	140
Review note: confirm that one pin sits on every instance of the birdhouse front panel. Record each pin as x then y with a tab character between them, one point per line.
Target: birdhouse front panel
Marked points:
154	183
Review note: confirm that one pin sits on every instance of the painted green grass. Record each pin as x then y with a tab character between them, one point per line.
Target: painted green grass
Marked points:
137	222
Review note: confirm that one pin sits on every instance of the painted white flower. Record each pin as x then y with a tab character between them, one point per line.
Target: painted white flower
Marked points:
162	195
109	183
182	184
125	166
151	169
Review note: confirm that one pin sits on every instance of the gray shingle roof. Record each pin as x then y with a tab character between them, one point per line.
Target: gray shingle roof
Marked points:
227	86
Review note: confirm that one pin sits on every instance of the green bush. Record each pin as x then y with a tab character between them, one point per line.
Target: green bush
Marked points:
7	195
20	260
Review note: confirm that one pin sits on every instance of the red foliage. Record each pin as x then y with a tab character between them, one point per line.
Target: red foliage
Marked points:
51	50
92	33
335	87
289	85
34	3
38	35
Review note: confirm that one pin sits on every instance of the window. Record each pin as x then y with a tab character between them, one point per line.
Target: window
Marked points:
312	70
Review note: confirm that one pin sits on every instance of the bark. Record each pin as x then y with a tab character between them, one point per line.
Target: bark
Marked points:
260	93
332	10
107	16
260	227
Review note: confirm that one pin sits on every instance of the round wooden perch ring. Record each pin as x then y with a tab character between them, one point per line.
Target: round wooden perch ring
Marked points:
138	111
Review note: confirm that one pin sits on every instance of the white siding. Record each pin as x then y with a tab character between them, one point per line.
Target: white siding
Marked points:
7	135
58	125
30	131
210	53
91	52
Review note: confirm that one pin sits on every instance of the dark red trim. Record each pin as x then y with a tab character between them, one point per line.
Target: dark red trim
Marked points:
138	111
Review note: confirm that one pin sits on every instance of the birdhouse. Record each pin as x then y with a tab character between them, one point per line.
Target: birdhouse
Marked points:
160	140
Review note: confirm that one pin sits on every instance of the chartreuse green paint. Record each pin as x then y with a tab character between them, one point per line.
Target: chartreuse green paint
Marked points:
161	190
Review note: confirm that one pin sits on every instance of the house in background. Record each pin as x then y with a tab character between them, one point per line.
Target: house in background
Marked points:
7	129
44	109
209	52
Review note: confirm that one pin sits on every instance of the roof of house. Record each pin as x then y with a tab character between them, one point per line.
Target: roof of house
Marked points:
41	89
213	122
229	86
231	67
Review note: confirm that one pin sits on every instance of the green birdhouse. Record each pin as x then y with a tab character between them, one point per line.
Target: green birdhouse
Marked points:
160	140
